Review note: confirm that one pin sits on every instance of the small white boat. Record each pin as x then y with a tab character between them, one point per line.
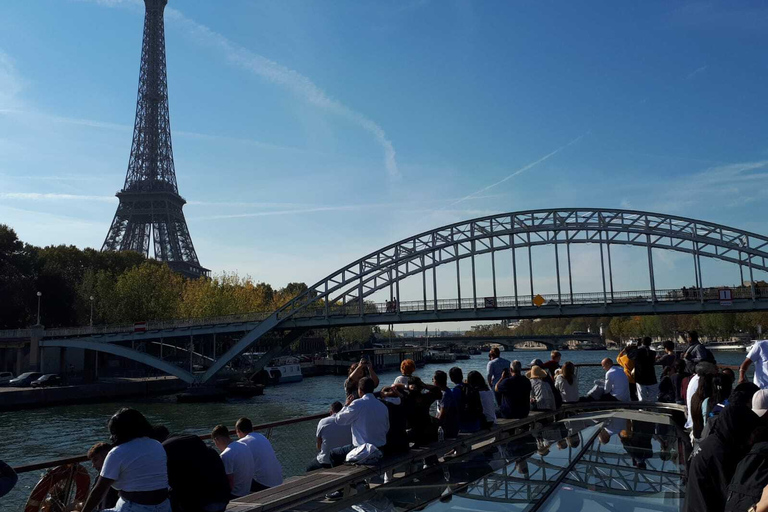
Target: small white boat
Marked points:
284	369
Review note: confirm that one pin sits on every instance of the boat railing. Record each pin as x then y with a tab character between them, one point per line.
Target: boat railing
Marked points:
267	429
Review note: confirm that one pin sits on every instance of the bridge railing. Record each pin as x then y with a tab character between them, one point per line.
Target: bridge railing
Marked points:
465	303
549	300
157	325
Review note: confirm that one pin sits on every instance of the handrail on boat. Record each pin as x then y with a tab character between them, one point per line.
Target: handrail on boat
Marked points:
265	426
82	458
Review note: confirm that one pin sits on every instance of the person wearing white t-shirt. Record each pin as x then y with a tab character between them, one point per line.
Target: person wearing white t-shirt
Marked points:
237	459
136	467
758	354
330	436
616	382
267	471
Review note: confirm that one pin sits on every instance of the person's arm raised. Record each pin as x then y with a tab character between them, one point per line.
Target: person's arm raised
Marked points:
97	494
373	375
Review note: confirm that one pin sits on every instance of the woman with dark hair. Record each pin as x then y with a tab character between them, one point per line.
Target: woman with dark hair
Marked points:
703	392
136	467
666	387
487	397
679	380
567	384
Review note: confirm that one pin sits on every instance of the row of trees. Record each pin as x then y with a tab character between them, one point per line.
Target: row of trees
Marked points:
712	325
125	286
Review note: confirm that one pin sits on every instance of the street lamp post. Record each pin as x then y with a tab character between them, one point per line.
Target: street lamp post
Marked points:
39	296
91	310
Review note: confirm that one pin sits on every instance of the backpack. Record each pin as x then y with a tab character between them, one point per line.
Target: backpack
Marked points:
751	477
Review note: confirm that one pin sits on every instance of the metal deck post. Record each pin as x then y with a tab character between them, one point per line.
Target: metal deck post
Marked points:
530	265
650	267
701	276
474	278
458	274
424	282
610	268
570	279
602	267
514	268
557	272
493	269
434	281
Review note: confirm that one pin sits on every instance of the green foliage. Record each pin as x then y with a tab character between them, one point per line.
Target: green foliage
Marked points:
125	286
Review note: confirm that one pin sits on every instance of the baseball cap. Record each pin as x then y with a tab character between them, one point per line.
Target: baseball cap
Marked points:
537	362
760	402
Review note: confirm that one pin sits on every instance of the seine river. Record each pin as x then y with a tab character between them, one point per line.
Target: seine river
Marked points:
43	434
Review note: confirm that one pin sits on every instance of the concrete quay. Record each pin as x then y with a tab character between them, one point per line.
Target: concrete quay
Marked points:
103	391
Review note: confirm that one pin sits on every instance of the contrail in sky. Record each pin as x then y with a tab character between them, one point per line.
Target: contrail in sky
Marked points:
519	171
277	74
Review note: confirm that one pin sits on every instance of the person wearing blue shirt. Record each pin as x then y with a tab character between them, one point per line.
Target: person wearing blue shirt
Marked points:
468	422
447	407
494	369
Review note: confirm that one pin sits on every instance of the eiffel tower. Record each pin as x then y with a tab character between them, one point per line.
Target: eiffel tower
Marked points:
150	203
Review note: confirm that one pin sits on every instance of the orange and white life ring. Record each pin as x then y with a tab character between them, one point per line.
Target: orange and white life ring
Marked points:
66	475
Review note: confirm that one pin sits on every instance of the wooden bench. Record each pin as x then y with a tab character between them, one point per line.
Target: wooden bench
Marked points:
314	486
346	477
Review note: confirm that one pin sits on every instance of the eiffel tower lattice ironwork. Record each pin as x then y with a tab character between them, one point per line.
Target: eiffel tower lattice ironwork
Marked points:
150	204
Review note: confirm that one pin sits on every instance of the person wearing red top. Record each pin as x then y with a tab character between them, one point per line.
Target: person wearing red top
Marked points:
554	363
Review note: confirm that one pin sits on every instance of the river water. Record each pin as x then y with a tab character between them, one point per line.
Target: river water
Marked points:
54	432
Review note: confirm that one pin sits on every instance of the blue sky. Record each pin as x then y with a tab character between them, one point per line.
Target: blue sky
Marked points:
307	134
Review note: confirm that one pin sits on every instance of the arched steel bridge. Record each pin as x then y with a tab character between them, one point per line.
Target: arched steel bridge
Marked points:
344	297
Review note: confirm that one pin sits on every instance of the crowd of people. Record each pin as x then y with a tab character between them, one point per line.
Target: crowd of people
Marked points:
143	468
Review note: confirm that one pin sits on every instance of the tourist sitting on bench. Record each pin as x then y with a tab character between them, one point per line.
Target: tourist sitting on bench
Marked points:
368	418
330	435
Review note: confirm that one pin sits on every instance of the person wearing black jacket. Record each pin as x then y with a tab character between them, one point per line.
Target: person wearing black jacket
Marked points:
751	475
196	476
8	478
645	372
713	466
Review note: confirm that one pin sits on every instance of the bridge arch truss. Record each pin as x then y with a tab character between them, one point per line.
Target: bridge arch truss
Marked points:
351	286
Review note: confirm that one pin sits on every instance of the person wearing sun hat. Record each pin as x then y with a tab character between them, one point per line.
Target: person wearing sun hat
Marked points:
760	402
542	396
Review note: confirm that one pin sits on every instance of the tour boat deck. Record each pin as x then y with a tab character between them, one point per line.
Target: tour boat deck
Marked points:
592	457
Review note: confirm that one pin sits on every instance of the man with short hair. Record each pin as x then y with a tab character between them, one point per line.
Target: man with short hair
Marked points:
668	359
758	354
645	372
238	462
267	471
515	391
330	435
469	417
447	407
367	417
554	363
495	367
97	453
616	383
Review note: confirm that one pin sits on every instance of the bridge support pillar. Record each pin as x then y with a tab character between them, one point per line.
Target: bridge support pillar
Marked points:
19	360
34	348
